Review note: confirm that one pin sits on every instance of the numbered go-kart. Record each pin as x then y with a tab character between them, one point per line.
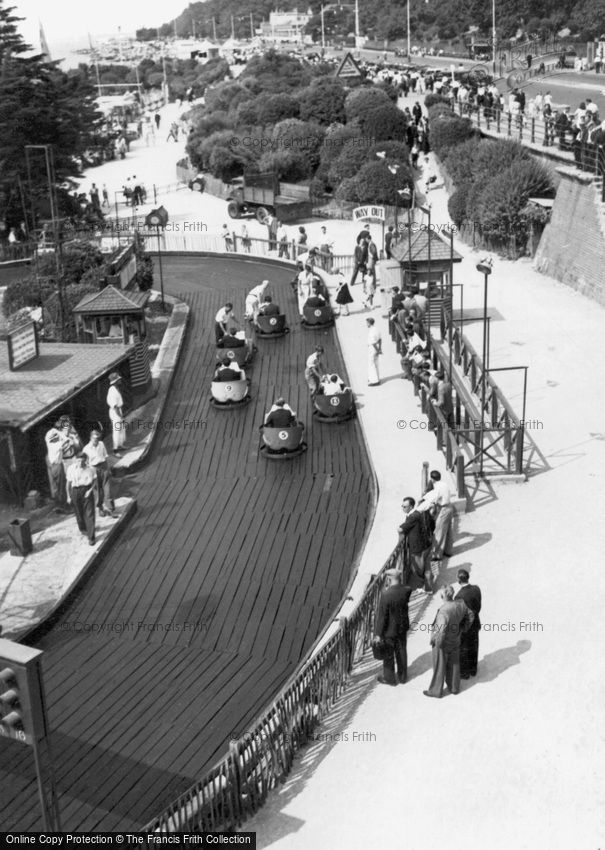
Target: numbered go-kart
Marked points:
334	408
242	355
227	395
317	317
282	443
271	327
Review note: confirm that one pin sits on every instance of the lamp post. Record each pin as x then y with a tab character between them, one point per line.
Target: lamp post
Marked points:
494	39
408	26
485	267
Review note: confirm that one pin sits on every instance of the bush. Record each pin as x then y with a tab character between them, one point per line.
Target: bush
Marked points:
460	161
306	137
289	165
448	133
272	108
456	204
359	101
337	140
347	190
384	122
389	89
347	164
375	184
225	164
226	97
323	101
435	99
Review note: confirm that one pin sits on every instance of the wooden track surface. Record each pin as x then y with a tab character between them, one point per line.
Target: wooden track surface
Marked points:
223	580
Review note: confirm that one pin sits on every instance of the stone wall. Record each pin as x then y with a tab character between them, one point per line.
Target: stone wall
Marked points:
572	248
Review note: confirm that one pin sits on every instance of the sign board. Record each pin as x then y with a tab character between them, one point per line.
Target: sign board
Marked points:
22	346
349	68
368	213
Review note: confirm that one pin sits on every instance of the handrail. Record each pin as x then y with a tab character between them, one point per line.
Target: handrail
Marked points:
537	131
240	782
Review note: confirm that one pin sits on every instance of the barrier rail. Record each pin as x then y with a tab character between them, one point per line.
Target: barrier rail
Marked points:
536	131
240	782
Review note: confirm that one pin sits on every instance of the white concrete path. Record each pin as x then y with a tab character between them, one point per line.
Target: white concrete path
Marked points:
515	761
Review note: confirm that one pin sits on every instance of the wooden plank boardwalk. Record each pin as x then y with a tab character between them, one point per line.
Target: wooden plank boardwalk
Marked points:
222	582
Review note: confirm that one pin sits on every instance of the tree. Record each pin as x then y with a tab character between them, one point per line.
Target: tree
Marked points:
39	104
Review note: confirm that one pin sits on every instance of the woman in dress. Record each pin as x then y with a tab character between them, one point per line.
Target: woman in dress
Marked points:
343	294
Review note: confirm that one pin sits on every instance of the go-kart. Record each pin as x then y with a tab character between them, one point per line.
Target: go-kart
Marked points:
282	443
334	408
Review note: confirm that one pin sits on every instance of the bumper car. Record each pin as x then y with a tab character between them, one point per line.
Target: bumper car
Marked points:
227	395
282	443
317	317
242	355
271	327
334	408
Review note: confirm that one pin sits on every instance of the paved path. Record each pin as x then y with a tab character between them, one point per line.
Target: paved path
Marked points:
514	760
227	574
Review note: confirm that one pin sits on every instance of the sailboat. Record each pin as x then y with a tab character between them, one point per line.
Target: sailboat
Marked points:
44	50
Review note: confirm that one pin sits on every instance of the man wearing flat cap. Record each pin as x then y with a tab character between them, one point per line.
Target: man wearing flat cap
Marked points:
391	627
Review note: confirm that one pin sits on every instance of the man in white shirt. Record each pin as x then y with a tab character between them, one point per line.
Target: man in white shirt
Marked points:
81	485
221	320
96	453
439	497
254	299
374	352
115	403
314	370
54	465
332	385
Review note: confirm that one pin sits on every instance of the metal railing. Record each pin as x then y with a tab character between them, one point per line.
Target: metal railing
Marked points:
238	785
538	131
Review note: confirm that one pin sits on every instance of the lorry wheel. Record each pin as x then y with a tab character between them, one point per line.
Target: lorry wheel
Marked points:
262	214
233	209
198	185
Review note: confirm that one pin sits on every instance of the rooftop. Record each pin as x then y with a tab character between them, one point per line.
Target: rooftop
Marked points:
112	300
62	370
419	244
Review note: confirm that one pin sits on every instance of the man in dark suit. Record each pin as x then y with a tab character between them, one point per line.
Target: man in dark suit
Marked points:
281	415
469	642
268	308
418	530
453	618
392	624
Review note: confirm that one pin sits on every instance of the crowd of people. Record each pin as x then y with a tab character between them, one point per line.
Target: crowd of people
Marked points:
79	475
427	532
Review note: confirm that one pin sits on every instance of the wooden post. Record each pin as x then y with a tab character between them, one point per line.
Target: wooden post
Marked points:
460	474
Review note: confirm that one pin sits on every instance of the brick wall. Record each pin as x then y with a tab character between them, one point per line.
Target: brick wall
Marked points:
572	248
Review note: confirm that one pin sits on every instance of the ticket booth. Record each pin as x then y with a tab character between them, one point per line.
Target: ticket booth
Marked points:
115	317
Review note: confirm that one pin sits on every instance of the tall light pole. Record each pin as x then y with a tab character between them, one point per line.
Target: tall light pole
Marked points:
357	33
485	267
323	34
251	28
408	25
494	39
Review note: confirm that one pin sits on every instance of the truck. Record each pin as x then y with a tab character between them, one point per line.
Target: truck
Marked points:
263	194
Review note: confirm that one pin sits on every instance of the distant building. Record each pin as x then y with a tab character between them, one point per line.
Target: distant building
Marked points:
286	26
189	48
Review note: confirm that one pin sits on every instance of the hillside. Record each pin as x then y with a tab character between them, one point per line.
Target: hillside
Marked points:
446	20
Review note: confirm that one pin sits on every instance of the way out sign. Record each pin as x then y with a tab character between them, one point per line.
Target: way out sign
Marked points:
368	214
